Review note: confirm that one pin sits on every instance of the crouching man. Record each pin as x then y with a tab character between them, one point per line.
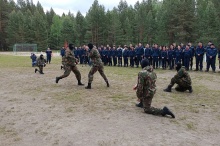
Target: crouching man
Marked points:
182	79
146	88
41	63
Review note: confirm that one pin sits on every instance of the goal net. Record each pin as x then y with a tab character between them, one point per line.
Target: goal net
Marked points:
24	48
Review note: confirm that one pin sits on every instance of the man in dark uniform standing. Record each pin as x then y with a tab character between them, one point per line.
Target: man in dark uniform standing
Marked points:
199	56
139	54
211	57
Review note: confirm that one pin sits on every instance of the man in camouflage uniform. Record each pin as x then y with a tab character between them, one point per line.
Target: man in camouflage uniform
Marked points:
146	88
41	62
182	79
69	61
97	65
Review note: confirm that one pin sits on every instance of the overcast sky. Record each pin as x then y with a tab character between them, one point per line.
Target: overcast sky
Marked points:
60	6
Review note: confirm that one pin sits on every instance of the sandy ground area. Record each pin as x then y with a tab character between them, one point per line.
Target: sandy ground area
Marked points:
36	111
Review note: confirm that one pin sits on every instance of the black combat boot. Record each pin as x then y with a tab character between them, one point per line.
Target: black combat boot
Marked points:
80	83
190	89
140	104
41	72
166	111
36	70
61	67
89	86
168	89
57	79
107	84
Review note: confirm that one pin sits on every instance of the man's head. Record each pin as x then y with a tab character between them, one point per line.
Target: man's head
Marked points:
212	46
178	66
41	56
145	63
90	45
71	47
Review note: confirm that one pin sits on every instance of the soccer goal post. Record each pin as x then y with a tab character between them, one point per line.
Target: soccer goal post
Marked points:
20	48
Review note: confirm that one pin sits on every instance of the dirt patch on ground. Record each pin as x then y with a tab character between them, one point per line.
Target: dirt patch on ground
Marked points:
36	111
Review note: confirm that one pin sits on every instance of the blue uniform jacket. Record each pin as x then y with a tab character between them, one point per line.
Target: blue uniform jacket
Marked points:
171	54
200	51
33	58
131	53
178	53
211	52
164	54
147	52
155	52
192	49
104	52
114	53
109	53
62	52
187	54
119	52
125	53
139	51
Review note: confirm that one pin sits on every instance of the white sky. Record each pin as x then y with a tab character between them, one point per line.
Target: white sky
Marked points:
60	6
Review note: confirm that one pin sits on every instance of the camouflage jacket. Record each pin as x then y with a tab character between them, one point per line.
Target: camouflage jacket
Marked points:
183	75
69	58
95	57
41	62
146	86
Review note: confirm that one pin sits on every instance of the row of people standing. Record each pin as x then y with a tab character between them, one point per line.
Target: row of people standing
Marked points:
159	56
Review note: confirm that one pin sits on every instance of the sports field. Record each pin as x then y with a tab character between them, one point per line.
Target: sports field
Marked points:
36	111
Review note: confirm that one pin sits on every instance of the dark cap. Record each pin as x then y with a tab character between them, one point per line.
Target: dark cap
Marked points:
71	46
90	45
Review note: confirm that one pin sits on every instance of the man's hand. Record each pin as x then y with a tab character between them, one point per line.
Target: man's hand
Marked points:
135	87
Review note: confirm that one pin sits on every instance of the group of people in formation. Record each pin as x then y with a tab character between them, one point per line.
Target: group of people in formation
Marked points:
165	57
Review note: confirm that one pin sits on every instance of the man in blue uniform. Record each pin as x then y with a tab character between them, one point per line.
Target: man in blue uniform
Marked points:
114	55
211	57
147	53
139	54
109	55
155	55
164	57
49	55
192	49
125	56
34	59
187	55
131	55
178	55
104	55
119	54
199	56
171	56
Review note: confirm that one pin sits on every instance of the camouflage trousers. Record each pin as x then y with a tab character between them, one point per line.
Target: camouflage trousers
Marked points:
93	70
68	70
182	84
40	68
148	108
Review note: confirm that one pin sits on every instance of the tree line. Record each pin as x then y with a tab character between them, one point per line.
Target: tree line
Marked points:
149	21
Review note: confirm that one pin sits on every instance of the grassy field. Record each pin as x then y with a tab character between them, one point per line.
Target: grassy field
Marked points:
34	110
